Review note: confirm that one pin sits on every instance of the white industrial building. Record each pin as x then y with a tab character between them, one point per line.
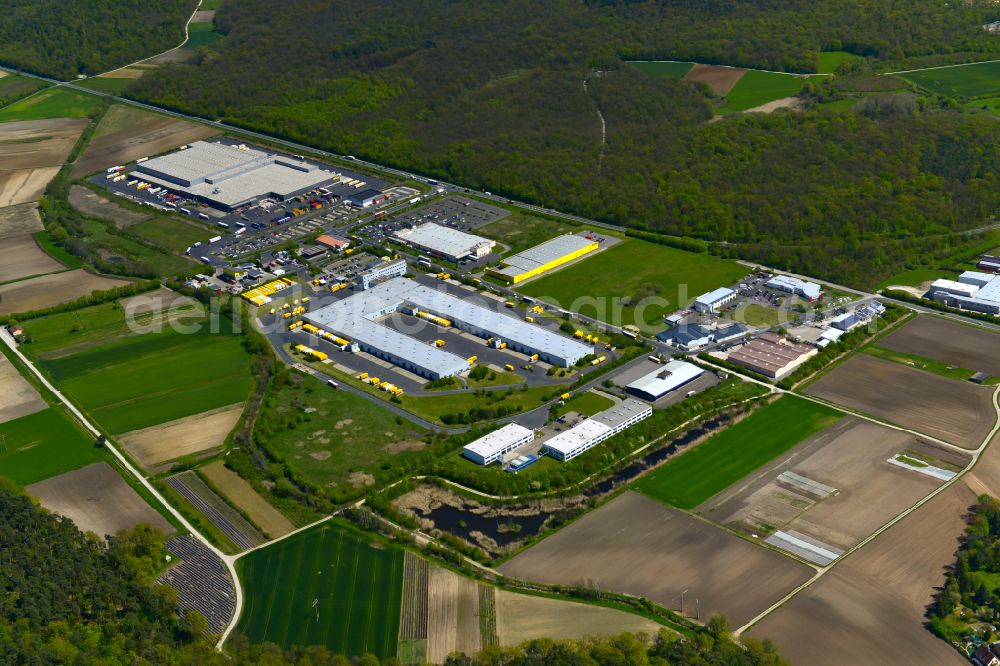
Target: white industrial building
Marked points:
357	318
544	257
665	379
590	432
445	242
979	292
494	446
227	177
807	290
711	302
380	271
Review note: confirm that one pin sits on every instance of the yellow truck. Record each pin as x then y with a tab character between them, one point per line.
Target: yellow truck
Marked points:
564	396
473	359
599	360
509	367
529	319
363	375
439	343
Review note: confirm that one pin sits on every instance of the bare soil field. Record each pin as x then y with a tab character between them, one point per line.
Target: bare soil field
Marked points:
191	435
20	186
28	144
179	54
123	73
949	342
203	16
850	456
126	134
20	219
49	290
17	397
794	103
453	615
21	257
957	412
242	494
522	617
636	545
98	500
719	80
89	202
869	609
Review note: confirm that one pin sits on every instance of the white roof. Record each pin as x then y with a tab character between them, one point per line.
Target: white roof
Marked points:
955	287
808	289
545	253
831	334
977	278
622	412
498	440
445	240
715	296
666	378
990	291
579	435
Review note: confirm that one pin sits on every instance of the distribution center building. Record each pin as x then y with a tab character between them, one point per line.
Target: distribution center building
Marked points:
591	432
358	318
445	242
227	177
979	292
661	381
544	257
494	446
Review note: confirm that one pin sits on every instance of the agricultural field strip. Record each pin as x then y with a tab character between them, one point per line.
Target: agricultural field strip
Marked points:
821	571
928	69
149	487
223	516
749	69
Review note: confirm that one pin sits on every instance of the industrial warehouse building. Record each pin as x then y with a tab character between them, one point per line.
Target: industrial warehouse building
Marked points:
364	198
227	177
691	337
494	446
711	302
976	291
357	318
590	432
544	257
441	241
807	290
379	271
772	355
663	380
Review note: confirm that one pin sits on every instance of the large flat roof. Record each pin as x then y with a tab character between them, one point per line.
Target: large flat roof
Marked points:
448	241
230	176
621	413
809	289
666	378
357	317
498	440
545	253
579	435
715	295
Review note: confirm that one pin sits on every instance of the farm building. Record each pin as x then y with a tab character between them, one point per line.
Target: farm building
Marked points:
544	257
662	381
364	198
445	242
807	290
979	292
492	447
771	355
227	177
591	432
358	318
713	300
379	271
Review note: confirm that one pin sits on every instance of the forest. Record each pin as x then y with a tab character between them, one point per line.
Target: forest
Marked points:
71	598
63	38
504	96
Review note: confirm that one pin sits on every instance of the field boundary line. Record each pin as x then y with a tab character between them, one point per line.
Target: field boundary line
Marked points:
227	560
798	75
977	454
929	69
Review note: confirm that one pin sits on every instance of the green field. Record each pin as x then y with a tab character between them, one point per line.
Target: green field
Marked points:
15	86
830	60
42	445
519	231
161	262
756	88
634	268
200	34
912	278
53	103
107	84
359	587
588	404
697	475
142	381
57	252
346	433
170	232
674	70
755	314
925	364
962	81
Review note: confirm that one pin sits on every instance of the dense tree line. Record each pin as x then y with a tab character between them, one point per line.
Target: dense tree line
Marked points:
63	38
504	96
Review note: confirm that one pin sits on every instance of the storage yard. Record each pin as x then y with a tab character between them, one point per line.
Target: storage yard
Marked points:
947	341
960	413
636	545
97	500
